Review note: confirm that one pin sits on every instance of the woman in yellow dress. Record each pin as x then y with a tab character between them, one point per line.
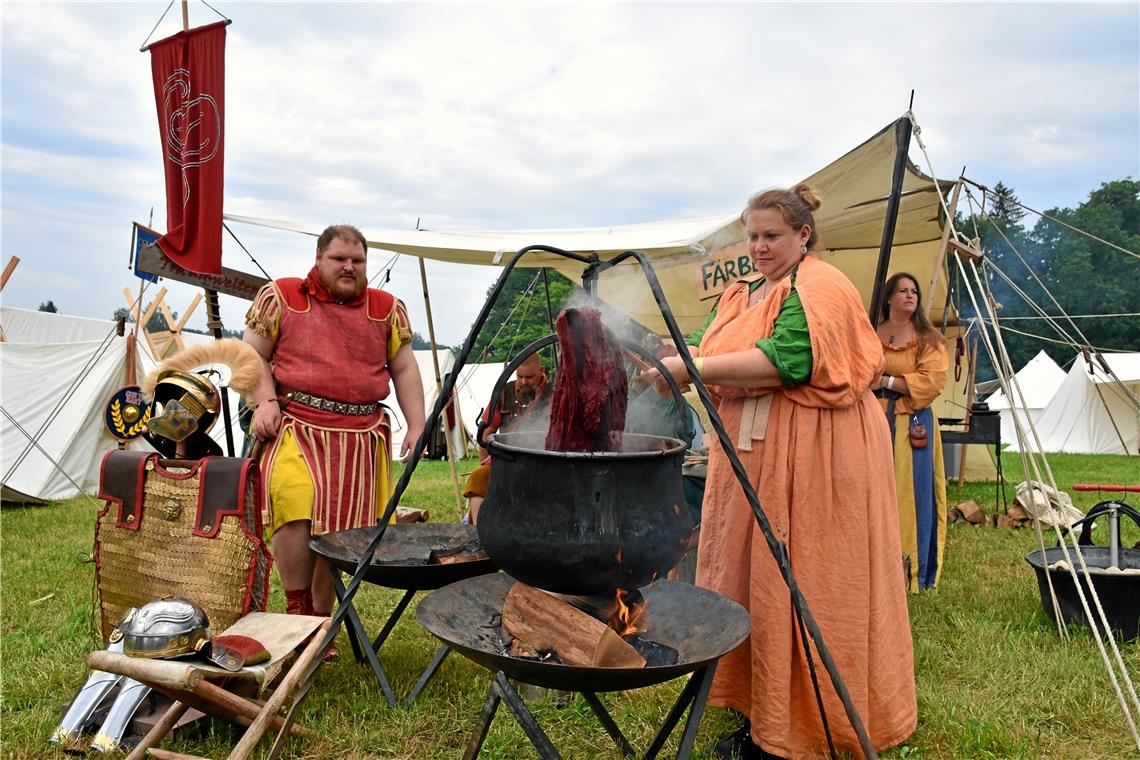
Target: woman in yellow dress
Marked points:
914	376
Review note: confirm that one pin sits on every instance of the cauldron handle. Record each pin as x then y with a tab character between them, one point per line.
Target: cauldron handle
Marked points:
685	427
1086	522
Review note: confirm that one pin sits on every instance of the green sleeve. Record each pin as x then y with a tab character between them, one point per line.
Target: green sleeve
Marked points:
694	338
789	348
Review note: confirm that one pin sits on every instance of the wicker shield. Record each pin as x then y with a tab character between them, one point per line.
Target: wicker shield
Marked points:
191	531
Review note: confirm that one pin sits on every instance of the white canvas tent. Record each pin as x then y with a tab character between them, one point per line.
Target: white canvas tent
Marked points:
475	390
1090	413
1039	380
46	359
431	393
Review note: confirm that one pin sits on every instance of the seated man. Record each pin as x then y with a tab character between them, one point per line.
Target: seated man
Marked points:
526	399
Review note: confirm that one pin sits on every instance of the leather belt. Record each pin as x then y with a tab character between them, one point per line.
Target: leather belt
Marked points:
329	405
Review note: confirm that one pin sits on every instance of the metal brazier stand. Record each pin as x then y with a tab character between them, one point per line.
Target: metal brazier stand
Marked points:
699	624
594	267
343	550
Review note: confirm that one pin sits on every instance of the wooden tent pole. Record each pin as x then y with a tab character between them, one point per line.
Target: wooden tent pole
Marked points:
439	389
185	15
8	269
952	208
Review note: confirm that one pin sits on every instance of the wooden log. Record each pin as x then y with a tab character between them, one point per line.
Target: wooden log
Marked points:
544	623
164	754
453	559
411	515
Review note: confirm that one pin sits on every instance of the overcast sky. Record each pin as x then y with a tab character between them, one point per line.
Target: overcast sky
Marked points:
473	116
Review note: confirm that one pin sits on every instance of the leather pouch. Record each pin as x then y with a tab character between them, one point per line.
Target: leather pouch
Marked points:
917	434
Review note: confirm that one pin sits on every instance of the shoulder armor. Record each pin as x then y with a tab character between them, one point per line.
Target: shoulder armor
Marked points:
290	291
380	305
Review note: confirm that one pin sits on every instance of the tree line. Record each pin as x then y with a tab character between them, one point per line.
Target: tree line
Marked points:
1061	272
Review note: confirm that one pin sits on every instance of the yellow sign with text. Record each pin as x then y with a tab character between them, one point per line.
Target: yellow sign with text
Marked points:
722	268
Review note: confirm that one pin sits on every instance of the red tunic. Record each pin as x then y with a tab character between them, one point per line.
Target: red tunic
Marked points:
337	351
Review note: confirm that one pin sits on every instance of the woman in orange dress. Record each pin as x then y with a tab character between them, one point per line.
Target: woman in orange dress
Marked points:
915	374
791	362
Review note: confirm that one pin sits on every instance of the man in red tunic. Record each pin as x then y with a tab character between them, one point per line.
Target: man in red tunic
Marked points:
332	349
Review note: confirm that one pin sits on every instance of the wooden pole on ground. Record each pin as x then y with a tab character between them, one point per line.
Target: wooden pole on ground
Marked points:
439	389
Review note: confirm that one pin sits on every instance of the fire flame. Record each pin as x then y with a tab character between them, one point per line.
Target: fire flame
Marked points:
629	609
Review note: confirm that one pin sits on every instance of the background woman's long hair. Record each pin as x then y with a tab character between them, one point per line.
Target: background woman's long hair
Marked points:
927	333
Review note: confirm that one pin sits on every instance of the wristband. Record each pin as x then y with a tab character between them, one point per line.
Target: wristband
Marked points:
890	382
699	363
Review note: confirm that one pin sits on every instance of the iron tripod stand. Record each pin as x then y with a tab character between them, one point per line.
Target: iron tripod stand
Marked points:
594	267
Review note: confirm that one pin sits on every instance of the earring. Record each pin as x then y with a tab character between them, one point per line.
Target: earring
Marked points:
803	249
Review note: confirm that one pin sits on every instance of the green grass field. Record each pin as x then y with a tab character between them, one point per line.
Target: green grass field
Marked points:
994	678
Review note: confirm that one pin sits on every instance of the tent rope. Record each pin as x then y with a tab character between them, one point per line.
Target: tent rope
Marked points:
67	394
47	456
1102	633
1045	289
1004	368
1053	219
1066	343
1078	316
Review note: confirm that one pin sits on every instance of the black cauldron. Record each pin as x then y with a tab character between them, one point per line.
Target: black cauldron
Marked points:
1119	592
585	523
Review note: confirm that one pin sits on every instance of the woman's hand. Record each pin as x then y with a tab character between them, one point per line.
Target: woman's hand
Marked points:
675	366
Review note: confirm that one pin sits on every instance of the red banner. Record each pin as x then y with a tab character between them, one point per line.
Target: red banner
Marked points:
189	71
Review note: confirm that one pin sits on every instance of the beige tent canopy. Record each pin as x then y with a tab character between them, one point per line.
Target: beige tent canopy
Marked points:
854	190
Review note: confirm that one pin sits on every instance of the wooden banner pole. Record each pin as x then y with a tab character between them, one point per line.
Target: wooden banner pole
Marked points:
439	389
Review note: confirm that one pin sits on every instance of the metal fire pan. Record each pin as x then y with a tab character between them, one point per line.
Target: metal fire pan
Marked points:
397	562
700	624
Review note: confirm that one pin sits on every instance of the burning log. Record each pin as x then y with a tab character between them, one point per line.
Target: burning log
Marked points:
542	623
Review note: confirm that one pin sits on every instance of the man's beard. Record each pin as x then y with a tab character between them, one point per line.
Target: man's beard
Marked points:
342	290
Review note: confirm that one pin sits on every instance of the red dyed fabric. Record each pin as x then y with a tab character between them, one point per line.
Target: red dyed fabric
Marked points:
587	411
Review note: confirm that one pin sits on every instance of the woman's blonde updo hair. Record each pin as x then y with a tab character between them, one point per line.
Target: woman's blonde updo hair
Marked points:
795	206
